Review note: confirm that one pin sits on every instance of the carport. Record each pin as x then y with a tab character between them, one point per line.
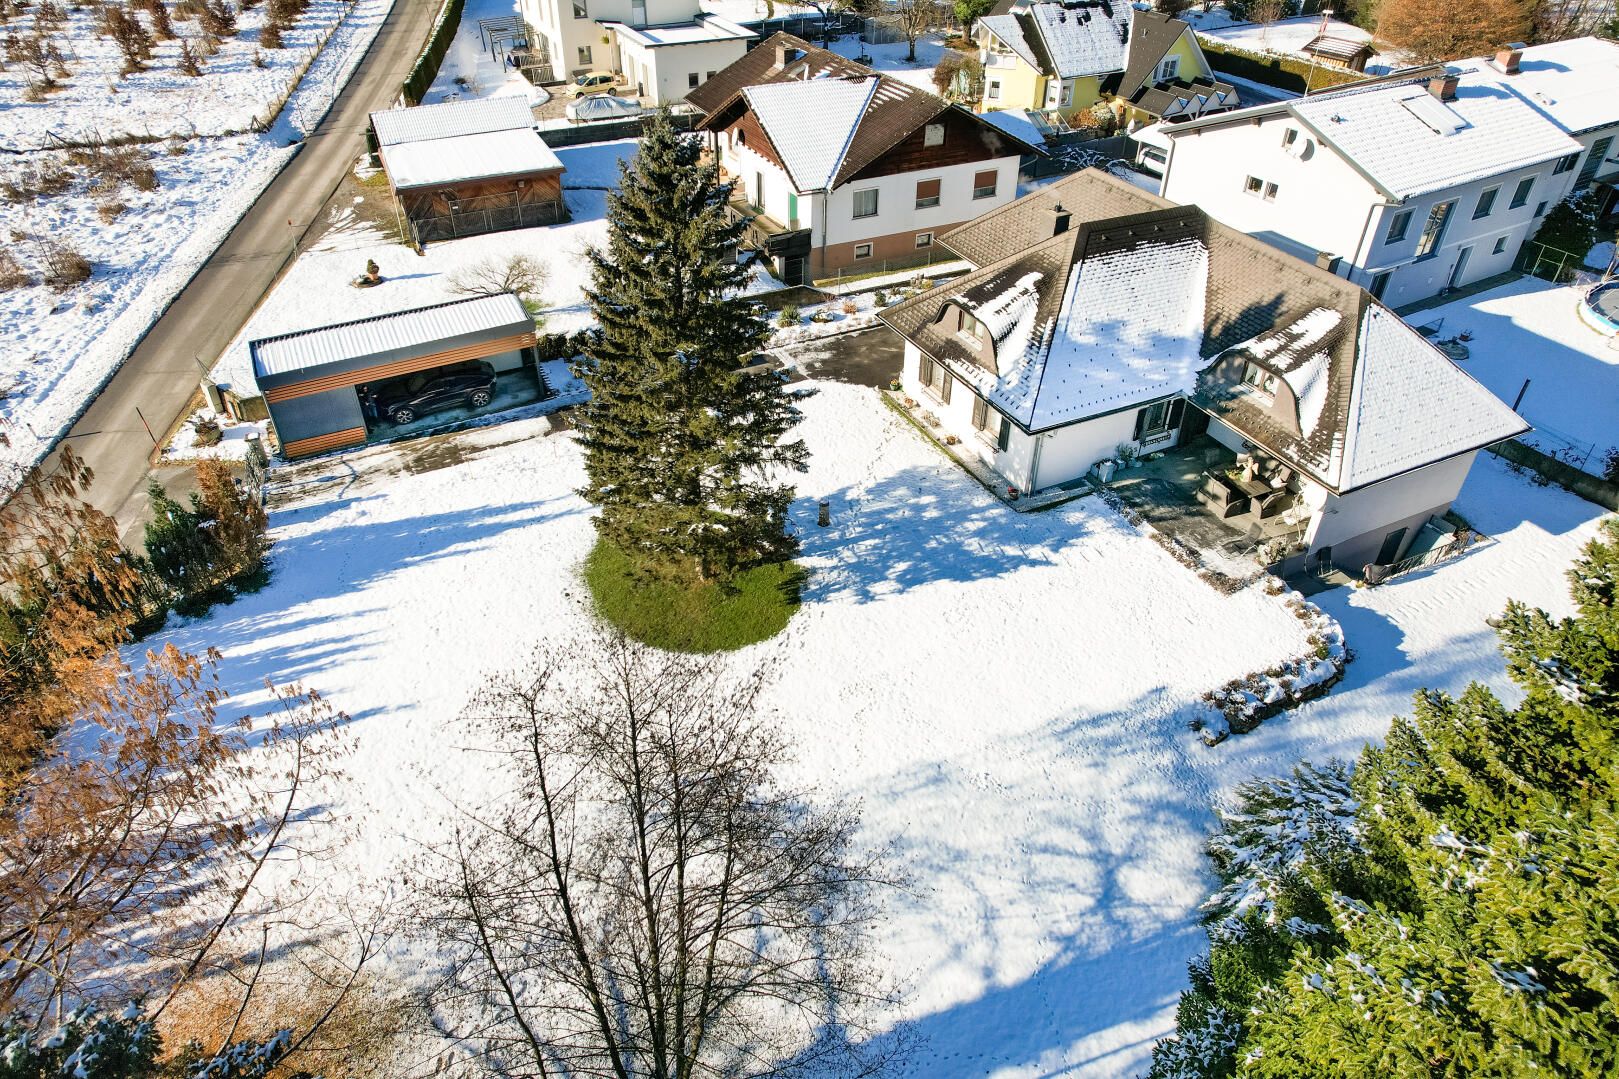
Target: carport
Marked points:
309	378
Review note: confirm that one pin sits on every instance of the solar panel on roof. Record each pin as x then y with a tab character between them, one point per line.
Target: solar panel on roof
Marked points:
1435	113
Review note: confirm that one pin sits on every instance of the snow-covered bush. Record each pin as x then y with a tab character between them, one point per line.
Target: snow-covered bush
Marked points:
1244	703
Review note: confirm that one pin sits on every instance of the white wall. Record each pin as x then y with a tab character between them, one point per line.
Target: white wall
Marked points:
1323	204
956	418
896	201
1069	452
746	165
669	67
563	34
1355	524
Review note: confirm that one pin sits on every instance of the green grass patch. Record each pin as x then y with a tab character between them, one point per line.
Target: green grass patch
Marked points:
685	614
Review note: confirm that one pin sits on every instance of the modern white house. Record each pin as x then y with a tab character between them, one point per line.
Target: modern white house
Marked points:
837	167
1414	184
1103	322
663	48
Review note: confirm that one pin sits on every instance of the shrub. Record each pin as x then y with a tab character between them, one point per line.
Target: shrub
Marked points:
110	167
848	307
788	316
110	210
1610	465
35	179
64	266
270	36
217	19
189	64
206	431
12	272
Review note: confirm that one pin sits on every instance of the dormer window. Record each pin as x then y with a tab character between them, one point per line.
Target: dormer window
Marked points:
933	135
1256	377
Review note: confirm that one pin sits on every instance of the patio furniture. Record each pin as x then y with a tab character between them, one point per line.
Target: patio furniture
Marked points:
1273	503
1222	496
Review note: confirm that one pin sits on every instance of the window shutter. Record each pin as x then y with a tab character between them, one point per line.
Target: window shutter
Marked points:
924	370
944	391
985	179
980	413
1141	420
1177	409
927	189
1005	438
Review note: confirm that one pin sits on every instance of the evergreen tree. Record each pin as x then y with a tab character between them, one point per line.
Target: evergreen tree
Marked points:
178	546
89	1045
1468	928
682	445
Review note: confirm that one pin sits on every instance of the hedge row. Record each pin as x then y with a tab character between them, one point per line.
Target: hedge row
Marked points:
1282	72
426	69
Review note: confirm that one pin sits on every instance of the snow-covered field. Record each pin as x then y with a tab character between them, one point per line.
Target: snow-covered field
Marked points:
59	348
315	289
1530	329
1006	693
890	59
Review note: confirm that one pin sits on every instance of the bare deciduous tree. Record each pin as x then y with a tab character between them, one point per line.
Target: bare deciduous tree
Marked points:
650	901
913	18
518	274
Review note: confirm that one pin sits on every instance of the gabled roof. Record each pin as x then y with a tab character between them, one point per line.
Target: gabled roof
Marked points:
804	83
465	158
1068	39
1139	299
812	123
1407	142
1152	36
451	119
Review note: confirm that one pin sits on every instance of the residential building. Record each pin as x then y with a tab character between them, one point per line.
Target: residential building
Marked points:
1100	316
840	168
1059	58
663	48
1414	184
465	167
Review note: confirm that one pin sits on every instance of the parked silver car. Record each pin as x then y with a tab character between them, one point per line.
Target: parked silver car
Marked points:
603	107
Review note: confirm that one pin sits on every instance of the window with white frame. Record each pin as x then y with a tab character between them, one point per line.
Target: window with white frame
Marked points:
1433	230
928	193
993	92
924	239
865	203
1566	163
1520	194
581	9
1486	203
862	251
691	80
1169	68
1270	192
933	135
1500	246
1253	185
985	184
1289	137
1399	225
1258	378
584	56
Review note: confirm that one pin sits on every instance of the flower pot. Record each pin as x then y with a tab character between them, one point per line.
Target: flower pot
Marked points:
1104	470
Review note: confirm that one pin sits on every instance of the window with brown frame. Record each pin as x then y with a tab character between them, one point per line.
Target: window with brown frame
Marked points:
927	193
985	183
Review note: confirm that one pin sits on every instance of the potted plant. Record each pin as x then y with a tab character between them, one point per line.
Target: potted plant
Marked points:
1128	455
1104	469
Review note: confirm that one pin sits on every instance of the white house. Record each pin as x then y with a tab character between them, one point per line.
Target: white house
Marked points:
663	48
840	168
1101	316
1413	184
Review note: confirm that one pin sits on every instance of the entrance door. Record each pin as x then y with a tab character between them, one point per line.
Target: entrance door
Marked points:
792	272
1391	547
1461	267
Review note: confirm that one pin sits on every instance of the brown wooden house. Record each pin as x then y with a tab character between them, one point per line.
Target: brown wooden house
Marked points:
467	167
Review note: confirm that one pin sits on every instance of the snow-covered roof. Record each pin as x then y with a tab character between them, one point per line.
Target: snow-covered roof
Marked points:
702	30
1015	122
451	119
1137	299
1575	82
1151	135
1410	142
1083	39
812	123
1412	405
1010	32
285	358
468	157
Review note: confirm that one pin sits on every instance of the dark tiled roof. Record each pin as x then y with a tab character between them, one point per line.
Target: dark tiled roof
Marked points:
896	109
1251	289
1151	35
1159	98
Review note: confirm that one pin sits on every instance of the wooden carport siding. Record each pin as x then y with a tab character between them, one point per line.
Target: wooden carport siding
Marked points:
336	440
393	370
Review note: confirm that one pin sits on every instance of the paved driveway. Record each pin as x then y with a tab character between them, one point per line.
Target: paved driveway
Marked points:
865	358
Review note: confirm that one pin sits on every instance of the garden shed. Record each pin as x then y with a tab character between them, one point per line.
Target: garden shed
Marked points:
467	167
315	381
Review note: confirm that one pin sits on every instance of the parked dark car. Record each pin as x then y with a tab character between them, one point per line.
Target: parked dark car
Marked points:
421	395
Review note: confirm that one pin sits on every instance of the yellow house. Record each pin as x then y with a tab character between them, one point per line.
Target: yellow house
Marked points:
1059	58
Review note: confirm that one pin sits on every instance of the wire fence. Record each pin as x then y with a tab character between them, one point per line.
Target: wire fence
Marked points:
1551	263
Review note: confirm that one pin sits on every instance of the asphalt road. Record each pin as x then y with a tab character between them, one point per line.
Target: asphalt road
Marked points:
162	373
865	358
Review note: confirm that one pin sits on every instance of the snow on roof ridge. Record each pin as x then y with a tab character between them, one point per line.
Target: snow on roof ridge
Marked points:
448	119
802	130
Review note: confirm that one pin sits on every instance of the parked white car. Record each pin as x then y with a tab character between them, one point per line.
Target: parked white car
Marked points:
602	107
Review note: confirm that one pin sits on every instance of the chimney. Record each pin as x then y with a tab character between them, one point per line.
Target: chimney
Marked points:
1443	86
781	57
1059	219
1327	261
1509	57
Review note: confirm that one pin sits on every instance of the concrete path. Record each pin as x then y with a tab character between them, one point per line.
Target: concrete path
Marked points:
162	373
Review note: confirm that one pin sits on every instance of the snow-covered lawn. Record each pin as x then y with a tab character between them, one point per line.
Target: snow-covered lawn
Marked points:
59	348
315	289
1531	329
1006	693
468	69
890	59
1286	37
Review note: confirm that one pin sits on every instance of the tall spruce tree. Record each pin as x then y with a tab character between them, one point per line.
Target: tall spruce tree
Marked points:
683	448
1470	930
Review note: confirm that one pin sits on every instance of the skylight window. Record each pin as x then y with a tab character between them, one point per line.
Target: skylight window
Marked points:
1437	115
